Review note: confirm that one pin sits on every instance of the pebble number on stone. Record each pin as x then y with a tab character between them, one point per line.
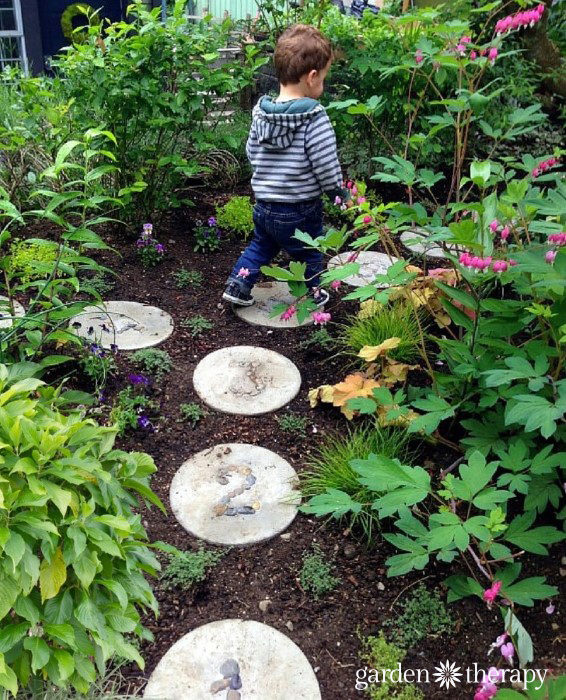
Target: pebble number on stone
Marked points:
224	507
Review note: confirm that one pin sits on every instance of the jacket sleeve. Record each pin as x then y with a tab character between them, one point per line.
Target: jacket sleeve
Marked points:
321	151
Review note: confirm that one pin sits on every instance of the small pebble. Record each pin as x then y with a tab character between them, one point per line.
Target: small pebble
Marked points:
232	494
289	625
217	686
250	481
230	668
256	505
562	572
563	561
231	511
380	586
316	669
239	491
286	536
222	480
246	510
264	604
225	499
235	682
233	695
555	626
349	551
219	509
246	471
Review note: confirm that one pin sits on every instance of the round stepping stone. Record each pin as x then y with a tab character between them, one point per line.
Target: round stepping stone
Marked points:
371	263
246	380
267	295
271	666
6	319
127	324
429	250
235	494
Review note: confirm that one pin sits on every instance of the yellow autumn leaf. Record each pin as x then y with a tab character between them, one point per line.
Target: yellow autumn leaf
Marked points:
371	352
52	575
321	393
396	372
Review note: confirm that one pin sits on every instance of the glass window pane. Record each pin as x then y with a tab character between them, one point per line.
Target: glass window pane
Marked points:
7	16
10	52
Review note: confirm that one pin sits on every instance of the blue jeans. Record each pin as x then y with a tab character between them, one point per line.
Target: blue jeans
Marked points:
275	226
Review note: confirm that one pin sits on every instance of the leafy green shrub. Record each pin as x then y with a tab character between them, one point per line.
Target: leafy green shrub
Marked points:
423	614
291	423
236	216
330	468
32	259
208	239
98	284
153	361
187	278
380	654
395	321
315	574
197	325
186	569
73	551
191	413
97	364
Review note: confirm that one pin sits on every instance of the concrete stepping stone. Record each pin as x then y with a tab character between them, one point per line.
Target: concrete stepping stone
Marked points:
127	324
235	494
371	264
201	665
429	250
6	318
246	380
267	295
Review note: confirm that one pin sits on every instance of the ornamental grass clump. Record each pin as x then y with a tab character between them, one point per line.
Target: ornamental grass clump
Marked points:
394	321
74	553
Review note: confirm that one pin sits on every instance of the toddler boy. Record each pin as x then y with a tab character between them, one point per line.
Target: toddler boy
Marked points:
292	150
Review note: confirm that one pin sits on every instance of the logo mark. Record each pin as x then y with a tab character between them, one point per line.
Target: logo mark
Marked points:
447	674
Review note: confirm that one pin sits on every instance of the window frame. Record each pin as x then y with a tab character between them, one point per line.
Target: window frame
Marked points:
18	34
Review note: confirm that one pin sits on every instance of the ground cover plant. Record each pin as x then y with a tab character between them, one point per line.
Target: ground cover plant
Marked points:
428	435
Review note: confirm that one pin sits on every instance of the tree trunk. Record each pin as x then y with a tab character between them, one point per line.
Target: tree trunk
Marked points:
546	55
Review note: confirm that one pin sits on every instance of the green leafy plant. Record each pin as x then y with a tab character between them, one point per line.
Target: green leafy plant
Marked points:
197	325
315	574
187	278
423	614
97	284
74	553
380	655
153	361
236	216
318	339
395	321
191	413
186	569
129	410
208	238
329	471
149	250
33	259
97	364
291	423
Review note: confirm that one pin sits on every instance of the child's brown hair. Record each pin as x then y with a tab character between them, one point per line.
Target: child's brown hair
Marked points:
300	49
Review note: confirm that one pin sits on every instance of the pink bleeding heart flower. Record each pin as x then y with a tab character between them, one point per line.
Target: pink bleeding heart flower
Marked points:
243	272
289	313
337	201
505	231
466	40
336	284
512	262
550	256
419	58
491	593
500	266
550	609
473	55
508	652
492	54
352	257
499	642
494	225
367	219
320	318
361	200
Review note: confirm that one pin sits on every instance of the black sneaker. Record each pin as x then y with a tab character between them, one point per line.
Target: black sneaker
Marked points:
236	295
321	298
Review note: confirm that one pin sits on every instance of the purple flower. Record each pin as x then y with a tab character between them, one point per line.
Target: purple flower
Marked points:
101	397
138	379
212	221
113	347
550	609
159	248
144	423
141	243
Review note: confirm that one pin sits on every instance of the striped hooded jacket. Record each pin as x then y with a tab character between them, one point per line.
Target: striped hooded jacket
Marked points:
292	150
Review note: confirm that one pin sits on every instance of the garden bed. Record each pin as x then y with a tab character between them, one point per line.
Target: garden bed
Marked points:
327	631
